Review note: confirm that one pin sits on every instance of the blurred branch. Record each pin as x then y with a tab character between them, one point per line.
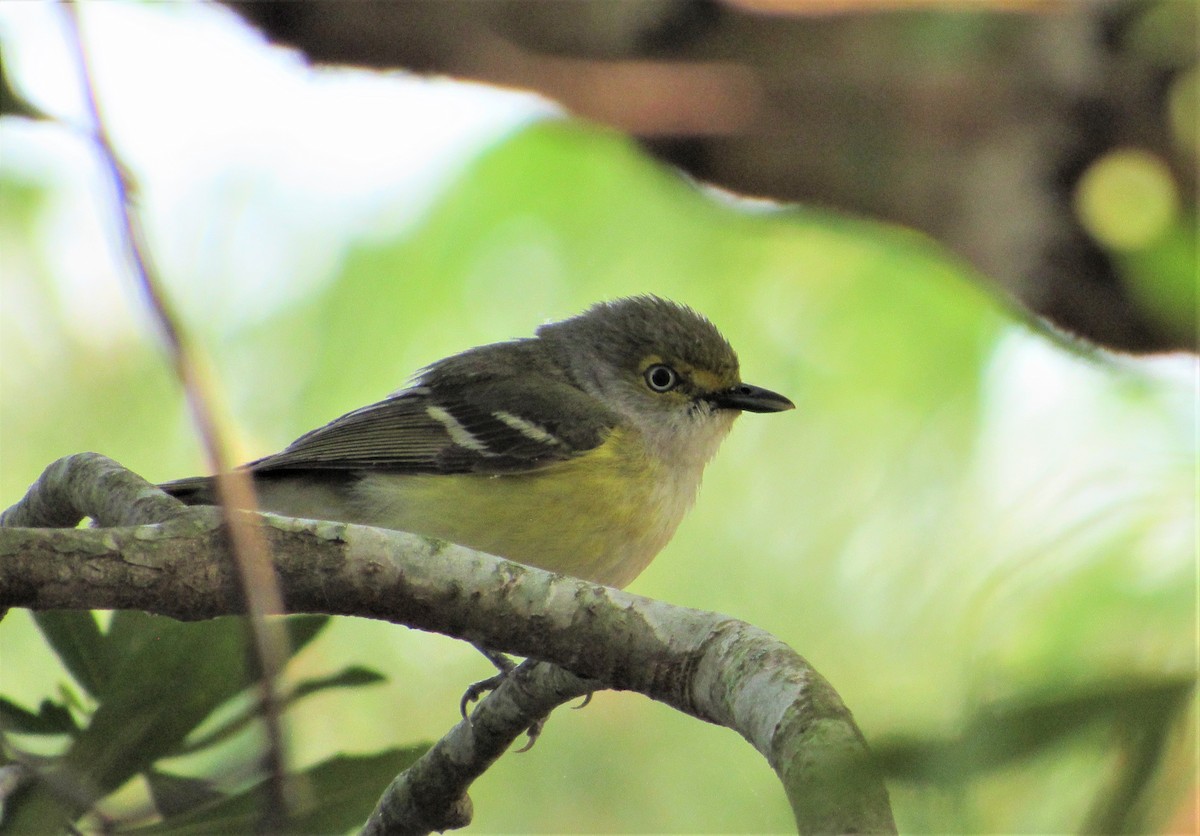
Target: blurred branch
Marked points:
704	664
255	577
12	103
973	121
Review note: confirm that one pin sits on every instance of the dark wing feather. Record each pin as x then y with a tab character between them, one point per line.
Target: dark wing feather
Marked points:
518	430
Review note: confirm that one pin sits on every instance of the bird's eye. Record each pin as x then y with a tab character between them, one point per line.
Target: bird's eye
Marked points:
661	378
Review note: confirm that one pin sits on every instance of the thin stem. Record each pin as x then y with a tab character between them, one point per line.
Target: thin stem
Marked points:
256	575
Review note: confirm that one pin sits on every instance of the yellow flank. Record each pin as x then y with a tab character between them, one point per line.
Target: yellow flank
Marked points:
601	516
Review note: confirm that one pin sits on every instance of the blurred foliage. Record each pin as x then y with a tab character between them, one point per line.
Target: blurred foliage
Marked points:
156	689
1136	717
1130	204
960	515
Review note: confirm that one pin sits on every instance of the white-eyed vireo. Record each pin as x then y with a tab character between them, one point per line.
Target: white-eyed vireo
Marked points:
578	450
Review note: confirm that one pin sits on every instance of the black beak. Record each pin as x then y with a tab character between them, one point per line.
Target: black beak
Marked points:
750	399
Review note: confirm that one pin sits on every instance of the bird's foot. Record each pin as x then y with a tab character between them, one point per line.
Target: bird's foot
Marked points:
504	666
504	669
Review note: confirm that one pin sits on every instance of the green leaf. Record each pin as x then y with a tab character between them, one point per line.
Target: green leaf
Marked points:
51	718
351	677
332	797
156	697
343	790
176	794
1123	806
130	630
76	638
302	629
1003	733
354	676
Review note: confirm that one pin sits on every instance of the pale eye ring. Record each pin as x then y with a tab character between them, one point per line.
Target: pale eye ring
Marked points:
661	378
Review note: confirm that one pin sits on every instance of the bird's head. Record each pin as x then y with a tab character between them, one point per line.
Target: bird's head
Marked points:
664	367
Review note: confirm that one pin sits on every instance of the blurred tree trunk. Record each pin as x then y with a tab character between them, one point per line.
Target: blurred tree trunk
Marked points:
973	125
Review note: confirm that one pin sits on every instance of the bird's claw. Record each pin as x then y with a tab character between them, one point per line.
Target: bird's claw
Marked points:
477	689
533	733
504	666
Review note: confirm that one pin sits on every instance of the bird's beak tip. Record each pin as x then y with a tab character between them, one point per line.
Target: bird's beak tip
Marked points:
750	398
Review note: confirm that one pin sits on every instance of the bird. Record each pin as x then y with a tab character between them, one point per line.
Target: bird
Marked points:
578	450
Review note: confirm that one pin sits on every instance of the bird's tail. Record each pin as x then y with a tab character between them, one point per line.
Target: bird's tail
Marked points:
198	490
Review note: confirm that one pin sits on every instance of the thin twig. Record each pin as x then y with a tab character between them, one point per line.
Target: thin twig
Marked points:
256	576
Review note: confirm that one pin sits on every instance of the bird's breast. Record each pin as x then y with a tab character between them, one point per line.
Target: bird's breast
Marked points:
601	516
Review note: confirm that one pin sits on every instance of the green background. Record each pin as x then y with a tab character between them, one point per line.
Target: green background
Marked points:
962	508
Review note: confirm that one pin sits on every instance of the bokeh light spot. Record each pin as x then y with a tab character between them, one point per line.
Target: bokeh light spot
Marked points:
1127	199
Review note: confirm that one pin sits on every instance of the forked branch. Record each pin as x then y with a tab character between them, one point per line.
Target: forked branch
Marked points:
709	666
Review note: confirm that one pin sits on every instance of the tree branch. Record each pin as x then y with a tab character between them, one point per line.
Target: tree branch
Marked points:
707	665
431	795
90	485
